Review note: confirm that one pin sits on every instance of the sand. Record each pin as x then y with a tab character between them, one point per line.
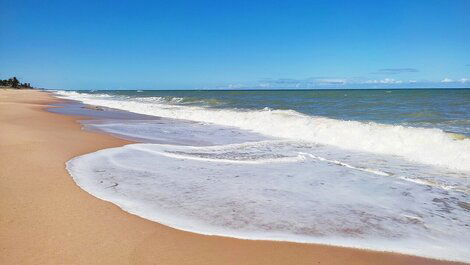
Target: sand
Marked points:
47	219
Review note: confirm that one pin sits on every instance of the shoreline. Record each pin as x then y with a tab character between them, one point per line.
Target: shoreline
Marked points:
47	218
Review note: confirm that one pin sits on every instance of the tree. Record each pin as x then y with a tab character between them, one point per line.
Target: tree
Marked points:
14	82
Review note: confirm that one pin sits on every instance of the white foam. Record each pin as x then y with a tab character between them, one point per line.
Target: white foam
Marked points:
171	131
278	190
423	145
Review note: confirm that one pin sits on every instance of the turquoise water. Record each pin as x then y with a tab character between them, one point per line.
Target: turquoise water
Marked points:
447	109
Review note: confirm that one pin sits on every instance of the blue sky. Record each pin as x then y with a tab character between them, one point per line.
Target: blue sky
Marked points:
236	44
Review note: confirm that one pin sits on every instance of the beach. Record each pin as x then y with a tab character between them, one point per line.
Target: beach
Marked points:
47	219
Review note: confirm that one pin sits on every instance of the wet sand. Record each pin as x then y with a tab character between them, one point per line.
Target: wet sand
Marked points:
47	219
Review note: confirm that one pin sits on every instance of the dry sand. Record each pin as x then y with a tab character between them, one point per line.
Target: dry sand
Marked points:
47	219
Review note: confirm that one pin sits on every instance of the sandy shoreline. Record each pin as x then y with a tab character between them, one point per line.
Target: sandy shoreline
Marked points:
47	219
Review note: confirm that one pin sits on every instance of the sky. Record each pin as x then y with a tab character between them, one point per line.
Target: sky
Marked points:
236	44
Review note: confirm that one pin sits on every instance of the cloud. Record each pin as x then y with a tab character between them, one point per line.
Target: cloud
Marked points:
315	82
235	86
461	80
394	71
384	81
343	83
311	82
283	81
333	81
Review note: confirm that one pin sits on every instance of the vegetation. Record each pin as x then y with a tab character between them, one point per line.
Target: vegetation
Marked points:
15	83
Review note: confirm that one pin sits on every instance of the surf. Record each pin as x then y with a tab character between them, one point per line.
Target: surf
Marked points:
431	146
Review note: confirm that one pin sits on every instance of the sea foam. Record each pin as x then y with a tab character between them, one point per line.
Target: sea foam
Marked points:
422	145
281	190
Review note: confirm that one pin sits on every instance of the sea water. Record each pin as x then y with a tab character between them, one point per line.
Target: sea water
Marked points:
377	169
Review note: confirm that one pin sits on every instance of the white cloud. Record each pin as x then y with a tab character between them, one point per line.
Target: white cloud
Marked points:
384	81
331	80
235	86
342	82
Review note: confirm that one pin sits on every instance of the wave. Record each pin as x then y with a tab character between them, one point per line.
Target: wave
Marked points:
422	145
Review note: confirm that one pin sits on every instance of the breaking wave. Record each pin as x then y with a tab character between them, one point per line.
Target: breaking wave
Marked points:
423	145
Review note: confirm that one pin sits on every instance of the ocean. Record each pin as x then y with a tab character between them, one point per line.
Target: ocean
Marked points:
376	169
